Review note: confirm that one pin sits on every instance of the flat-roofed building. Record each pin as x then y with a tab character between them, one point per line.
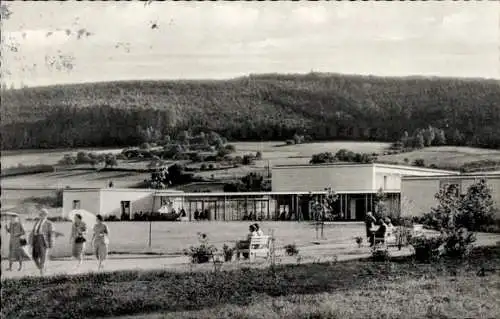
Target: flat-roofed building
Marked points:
418	192
356	184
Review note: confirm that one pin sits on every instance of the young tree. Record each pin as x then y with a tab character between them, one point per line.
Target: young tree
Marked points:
323	209
476	207
440	138
419	141
381	209
405	139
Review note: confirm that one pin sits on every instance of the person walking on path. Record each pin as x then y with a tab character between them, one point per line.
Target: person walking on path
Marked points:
16	242
100	241
78	231
42	240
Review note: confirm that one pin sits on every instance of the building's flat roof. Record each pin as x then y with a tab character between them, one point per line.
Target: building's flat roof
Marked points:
439	177
406	167
244	194
112	189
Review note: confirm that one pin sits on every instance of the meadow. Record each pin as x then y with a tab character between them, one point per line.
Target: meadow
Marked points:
400	288
173	237
446	156
273	153
45	157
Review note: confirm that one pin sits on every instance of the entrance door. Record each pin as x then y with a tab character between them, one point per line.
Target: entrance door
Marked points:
352	211
125	208
360	209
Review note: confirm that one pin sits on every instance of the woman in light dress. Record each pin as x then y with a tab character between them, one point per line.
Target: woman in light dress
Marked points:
100	241
77	239
16	252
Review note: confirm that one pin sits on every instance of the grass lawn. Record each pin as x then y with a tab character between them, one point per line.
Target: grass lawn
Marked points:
445	156
352	289
174	237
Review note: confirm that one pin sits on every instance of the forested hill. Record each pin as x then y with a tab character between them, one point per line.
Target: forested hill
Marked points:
268	107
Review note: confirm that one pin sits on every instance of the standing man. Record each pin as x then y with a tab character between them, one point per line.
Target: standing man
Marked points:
42	240
369	223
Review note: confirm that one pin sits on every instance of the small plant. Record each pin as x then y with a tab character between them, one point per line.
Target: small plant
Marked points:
359	241
228	253
380	254
202	253
291	250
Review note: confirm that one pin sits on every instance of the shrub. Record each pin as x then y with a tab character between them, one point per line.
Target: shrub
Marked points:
359	241
248	159
202	253
426	249
380	254
110	218
458	243
420	162
228	253
476	207
203	167
291	250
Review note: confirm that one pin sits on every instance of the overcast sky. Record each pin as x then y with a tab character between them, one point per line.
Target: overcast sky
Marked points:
229	39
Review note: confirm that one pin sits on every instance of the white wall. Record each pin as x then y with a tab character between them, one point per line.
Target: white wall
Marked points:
417	195
318	177
89	200
394	174
139	201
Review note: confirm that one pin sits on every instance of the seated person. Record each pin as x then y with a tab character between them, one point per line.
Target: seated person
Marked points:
381	231
245	244
258	231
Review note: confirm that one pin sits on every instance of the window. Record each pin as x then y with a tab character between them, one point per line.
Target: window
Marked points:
385	182
76	204
454	186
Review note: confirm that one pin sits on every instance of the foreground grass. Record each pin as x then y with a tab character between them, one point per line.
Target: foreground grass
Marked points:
355	289
443	297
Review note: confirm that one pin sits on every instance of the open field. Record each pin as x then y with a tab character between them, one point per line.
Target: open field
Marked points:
75	179
273	153
445	156
345	289
45	157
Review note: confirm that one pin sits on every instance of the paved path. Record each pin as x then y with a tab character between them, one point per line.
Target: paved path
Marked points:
323	252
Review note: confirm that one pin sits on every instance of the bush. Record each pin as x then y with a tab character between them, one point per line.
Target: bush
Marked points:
291	250
458	243
380	254
111	218
228	253
203	253
426	249
419	162
359	241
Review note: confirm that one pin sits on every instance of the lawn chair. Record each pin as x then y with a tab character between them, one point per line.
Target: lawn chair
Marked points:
259	246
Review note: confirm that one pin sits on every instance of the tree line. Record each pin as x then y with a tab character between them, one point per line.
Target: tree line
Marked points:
255	108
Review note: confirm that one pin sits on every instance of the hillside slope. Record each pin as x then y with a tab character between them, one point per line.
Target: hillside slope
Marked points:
325	106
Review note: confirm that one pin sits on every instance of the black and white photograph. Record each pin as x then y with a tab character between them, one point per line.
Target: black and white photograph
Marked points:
250	159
